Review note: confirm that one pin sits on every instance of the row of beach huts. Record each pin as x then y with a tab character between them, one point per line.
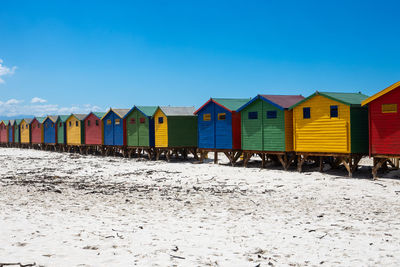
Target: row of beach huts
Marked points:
325	128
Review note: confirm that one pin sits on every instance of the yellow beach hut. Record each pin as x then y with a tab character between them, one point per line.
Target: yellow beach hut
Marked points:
75	129
25	130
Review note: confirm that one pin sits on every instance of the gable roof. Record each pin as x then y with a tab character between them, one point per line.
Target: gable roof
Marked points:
18	121
350	99
63	118
80	117
28	120
6	122
280	101
11	122
121	112
52	118
381	93
147	111
40	119
97	114
230	104
177	111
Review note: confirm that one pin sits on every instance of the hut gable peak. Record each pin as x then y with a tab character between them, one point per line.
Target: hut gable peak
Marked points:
99	115
280	101
349	99
230	104
52	118
79	117
381	93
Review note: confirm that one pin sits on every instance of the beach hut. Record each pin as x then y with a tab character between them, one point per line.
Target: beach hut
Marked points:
331	125
218	126
267	128
75	129
37	130
93	128
25	131
61	129
384	126
50	130
140	129
175	130
10	128
114	127
3	132
17	131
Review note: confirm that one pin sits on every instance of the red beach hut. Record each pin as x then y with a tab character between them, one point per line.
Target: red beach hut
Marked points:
384	125
94	128
37	130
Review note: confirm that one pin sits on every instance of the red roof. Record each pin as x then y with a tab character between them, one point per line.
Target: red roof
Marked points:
285	101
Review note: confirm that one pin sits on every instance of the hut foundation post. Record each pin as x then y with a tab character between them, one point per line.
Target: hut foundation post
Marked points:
246	158
378	162
321	164
215	157
300	161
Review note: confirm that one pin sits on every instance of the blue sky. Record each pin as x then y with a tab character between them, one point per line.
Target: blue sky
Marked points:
73	56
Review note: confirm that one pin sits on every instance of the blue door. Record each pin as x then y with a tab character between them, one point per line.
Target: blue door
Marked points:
206	126
108	129
49	132
223	128
10	134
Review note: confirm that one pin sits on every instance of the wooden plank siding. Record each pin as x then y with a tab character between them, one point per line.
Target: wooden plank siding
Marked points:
385	126
289	130
182	131
321	133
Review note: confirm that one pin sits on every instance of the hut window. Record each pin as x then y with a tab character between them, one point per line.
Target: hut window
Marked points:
52	125
306	113
142	120
116	121
160	120
88	123
253	115
207	117
77	123
108	122
132	121
26	126
271	114
38	126
389	108
70	124
97	122
334	112
60	124
221	116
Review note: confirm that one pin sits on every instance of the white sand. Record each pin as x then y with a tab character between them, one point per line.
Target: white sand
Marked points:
59	209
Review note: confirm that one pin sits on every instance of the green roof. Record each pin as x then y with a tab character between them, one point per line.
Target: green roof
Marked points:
99	114
147	110
40	119
63	118
231	103
350	99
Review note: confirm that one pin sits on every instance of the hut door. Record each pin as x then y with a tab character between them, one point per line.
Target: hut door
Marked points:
223	128
109	129
206	122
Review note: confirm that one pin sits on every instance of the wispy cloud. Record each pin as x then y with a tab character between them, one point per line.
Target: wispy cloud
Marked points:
38	100
39	107
4	70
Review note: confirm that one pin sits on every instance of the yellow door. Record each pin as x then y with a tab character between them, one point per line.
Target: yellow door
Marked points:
161	129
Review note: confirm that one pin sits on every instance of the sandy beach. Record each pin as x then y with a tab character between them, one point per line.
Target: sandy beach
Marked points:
60	209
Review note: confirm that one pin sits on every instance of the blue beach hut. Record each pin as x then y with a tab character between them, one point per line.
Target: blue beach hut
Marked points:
114	127
50	130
